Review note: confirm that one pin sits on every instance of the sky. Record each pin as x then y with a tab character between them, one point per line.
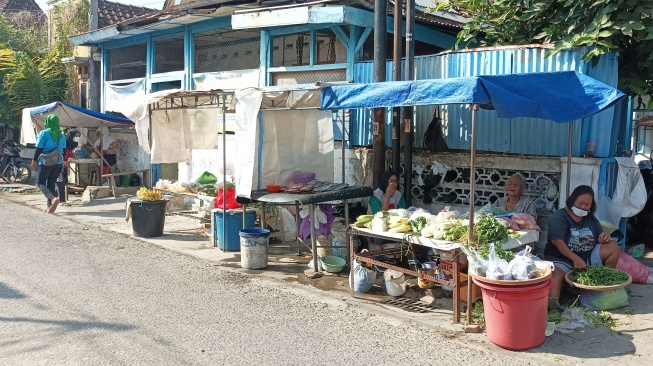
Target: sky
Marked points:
154	4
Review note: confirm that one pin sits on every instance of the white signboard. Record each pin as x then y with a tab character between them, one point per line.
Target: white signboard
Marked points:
116	97
227	80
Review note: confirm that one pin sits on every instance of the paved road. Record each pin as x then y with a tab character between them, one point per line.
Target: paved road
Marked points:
76	296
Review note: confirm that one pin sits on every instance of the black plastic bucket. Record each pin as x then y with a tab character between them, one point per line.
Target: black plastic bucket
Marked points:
148	217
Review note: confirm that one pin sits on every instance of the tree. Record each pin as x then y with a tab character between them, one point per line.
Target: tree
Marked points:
32	74
602	26
30	82
28	38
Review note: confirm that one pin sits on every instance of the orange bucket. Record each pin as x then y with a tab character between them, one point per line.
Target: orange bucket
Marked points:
515	316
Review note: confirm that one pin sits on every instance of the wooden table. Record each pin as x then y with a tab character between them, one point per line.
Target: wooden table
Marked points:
98	167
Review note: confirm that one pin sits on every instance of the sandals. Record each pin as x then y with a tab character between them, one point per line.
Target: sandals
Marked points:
54	202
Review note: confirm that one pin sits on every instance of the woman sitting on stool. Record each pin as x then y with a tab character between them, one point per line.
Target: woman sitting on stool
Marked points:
577	240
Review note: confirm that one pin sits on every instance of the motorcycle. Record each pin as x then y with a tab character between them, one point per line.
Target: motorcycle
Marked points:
642	223
13	168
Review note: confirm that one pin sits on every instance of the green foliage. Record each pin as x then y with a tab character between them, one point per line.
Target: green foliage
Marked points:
29	82
31	73
602	26
23	40
69	18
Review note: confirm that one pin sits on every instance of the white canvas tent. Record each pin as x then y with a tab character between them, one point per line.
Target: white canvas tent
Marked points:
277	130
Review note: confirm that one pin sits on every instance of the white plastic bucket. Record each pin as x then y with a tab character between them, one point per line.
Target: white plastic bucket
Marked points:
394	276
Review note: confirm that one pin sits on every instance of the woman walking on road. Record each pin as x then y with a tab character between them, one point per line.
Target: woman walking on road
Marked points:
50	146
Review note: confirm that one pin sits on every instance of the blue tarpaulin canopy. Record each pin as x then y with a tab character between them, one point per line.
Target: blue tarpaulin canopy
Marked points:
557	96
69	116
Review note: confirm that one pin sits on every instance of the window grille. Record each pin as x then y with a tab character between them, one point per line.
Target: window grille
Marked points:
169	55
291	49
227	50
294	49
127	62
329	49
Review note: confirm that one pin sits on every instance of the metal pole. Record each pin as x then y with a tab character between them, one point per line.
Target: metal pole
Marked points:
224	176
570	134
149	139
380	52
311	212
396	75
344	142
408	111
472	188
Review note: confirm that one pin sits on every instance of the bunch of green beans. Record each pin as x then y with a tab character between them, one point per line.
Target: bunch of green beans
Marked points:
599	276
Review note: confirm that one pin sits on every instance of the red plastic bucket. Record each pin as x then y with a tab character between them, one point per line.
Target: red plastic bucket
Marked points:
515	316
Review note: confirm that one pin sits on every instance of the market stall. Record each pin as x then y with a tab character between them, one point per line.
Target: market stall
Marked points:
278	132
561	97
71	116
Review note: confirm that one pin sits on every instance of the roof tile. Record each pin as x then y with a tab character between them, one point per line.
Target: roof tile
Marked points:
110	13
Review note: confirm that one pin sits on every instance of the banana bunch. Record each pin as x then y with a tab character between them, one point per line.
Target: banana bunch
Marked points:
398	224
364	220
149	194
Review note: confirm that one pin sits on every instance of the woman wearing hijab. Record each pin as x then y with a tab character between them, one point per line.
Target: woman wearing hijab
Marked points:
72	136
50	146
388	195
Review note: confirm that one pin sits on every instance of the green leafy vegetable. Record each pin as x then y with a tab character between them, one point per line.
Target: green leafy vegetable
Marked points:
418	224
599	276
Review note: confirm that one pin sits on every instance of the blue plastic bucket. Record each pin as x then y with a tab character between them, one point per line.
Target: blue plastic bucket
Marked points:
230	241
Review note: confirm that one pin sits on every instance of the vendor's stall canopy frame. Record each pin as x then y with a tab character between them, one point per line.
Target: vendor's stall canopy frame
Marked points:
70	116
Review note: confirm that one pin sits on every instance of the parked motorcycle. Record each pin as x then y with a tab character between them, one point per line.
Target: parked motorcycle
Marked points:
13	168
642	223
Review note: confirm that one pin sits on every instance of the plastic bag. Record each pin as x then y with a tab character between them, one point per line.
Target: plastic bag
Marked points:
636	269
512	225
525	221
637	251
477	264
363	278
497	268
573	318
219	201
487	210
522	267
206	178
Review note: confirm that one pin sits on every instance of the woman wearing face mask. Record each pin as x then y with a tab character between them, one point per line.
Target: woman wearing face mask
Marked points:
576	240
72	138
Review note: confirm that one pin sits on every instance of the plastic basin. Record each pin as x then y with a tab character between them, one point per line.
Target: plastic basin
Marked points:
332	263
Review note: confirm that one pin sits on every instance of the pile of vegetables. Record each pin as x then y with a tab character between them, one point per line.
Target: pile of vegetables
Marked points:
444	226
599	276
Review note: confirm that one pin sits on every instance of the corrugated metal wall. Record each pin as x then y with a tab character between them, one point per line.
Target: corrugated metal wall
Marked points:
518	135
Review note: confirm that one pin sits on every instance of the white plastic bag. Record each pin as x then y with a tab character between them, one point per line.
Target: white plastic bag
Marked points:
573	318
497	268
522	267
477	264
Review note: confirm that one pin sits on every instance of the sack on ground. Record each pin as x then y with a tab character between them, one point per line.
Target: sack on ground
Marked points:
363	278
636	269
51	158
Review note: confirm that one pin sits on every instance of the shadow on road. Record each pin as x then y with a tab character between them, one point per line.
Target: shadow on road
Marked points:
7	292
71	325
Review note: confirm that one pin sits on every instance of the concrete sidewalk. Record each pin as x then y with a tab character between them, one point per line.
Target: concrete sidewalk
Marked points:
629	344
